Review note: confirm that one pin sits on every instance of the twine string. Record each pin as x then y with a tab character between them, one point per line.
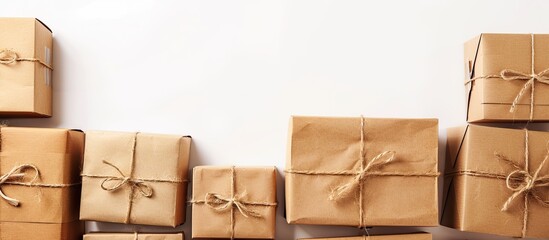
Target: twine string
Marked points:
8	57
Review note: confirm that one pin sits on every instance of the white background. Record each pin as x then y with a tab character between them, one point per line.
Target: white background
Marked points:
230	73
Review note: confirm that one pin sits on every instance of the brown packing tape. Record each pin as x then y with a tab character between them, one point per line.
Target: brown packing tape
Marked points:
415	236
141	176
231	202
509	182
49	192
507	71
134	236
325	152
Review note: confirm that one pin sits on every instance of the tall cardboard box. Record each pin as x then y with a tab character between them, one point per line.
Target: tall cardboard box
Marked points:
26	46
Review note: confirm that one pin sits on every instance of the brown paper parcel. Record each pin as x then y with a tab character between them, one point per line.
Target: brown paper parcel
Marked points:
134	236
507	77
415	236
250	215
491	187
395	184
135	178
25	68
40	182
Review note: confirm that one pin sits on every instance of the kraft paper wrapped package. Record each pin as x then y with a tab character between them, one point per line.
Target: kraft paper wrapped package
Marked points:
362	172
234	202
497	181
136	178
41	191
414	236
134	236
25	68
507	77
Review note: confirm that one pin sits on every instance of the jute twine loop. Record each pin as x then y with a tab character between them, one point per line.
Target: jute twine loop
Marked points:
10	57
221	203
143	188
365	171
343	191
15	174
530	78
521	181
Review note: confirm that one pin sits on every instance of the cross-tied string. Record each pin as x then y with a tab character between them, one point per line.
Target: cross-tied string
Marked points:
521	181
221	203
10	57
14	176
144	189
530	78
366	170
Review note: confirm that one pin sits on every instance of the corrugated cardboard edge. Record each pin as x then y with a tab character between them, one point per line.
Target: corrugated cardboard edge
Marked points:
446	217
470	69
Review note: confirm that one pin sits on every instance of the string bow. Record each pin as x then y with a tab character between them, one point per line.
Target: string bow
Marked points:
220	203
522	182
378	161
512	75
14	176
143	188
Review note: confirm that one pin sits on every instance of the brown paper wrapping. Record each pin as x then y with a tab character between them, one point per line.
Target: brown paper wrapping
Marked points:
490	99
57	153
156	159
415	236
40	231
256	184
474	203
325	144
25	87
133	236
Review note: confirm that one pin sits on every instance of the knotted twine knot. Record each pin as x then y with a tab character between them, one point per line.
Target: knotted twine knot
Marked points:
522	182
10	57
143	188
380	160
511	75
220	203
13	176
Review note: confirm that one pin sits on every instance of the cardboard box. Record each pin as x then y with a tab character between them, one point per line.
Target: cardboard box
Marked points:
137	178
134	236
47	201
252	215
25	68
501	68
415	236
481	162
389	178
